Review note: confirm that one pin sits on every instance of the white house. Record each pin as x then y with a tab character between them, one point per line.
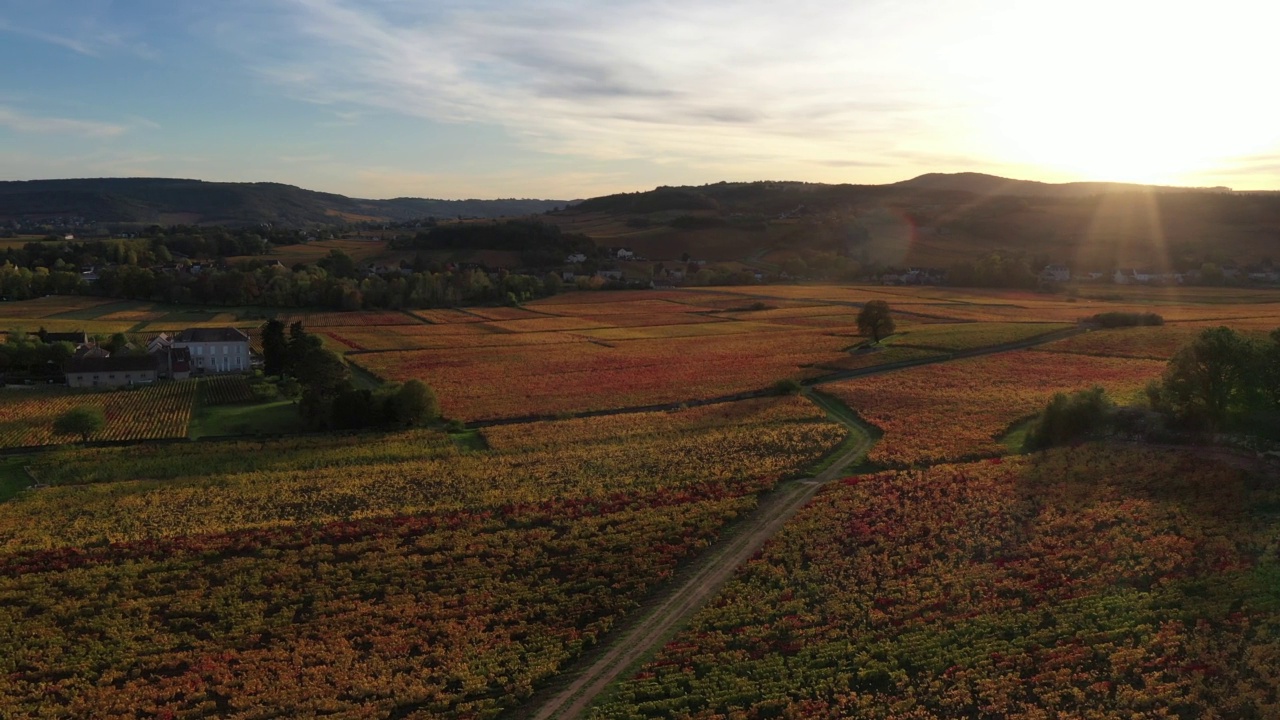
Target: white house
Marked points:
1056	273
215	350
576	258
625	254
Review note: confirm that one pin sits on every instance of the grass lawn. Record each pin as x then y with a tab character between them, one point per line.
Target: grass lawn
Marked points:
13	479
1015	439
279	416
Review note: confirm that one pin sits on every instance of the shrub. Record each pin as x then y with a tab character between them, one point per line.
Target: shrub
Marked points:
1070	417
1126	319
789	386
264	392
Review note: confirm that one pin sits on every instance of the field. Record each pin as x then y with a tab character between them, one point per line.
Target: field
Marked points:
967	336
308	253
224	390
1093	582
156	411
958	410
333	575
418	573
579	374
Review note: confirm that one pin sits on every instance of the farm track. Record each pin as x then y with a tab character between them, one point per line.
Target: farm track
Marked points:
675	604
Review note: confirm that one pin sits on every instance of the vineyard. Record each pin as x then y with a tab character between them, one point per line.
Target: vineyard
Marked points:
225	390
581	374
419	573
958	410
1095	582
155	411
458	614
967	336
334	575
1159	343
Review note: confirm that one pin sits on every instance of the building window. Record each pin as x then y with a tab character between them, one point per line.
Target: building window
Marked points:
224	349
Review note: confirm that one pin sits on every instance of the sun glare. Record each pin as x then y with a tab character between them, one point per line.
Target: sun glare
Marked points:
1124	91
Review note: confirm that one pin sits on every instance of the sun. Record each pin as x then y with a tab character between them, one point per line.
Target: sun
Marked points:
1124	91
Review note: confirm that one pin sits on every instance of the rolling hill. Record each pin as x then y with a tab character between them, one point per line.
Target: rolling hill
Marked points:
170	201
939	219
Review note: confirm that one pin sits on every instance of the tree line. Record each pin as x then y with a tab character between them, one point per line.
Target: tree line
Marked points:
327	397
1221	382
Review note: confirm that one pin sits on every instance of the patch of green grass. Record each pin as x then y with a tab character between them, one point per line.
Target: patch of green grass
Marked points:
273	418
363	379
469	440
1014	439
13	479
859	431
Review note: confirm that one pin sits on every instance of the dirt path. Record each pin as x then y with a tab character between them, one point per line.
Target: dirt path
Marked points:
676	604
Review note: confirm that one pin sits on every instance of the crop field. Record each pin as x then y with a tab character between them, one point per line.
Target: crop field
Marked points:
1157	343
155	411
224	390
683	330
957	410
441	337
50	306
314	320
1100	581
544	323
761	414
417	573
446	315
478	383
815	293
340	576
359	250
621	307
884	355
967	336
505	313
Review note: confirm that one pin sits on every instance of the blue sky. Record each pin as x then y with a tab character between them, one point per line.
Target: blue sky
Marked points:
574	98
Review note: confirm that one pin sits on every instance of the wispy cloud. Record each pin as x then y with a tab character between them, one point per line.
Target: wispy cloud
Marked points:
81	31
715	83
24	123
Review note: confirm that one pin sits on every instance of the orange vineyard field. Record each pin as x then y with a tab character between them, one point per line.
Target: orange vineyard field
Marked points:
585	375
340	576
1096	582
958	410
156	411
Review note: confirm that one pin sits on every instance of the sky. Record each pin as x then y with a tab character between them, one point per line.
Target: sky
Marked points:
566	99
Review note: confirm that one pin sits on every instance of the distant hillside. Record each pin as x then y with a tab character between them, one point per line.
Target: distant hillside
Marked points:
983	184
937	220
168	201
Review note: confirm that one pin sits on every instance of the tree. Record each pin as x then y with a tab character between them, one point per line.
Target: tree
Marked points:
84	421
1269	372
322	371
118	344
275	348
300	343
414	403
874	320
1209	381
